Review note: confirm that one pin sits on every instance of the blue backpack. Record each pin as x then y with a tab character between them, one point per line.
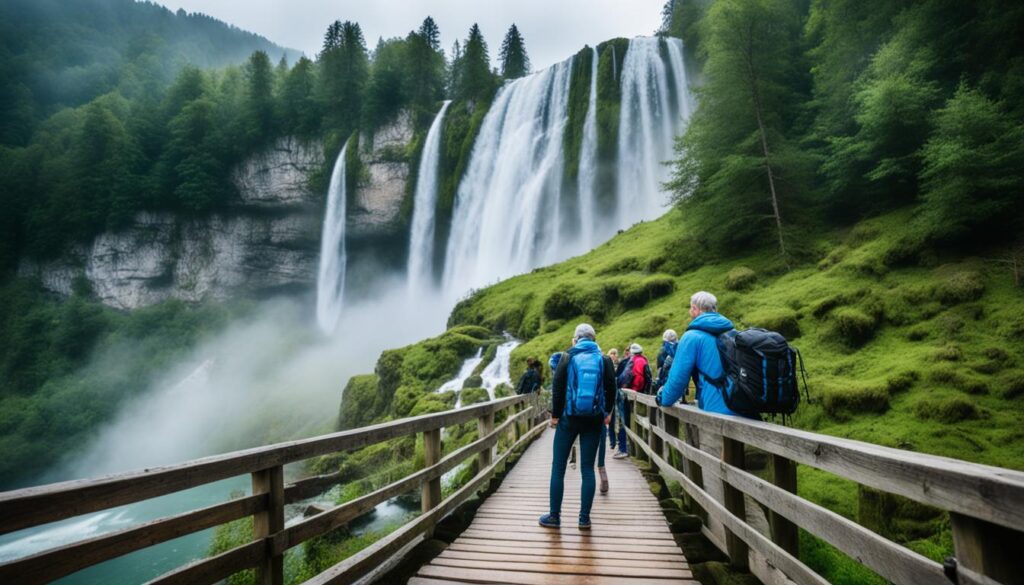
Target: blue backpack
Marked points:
585	388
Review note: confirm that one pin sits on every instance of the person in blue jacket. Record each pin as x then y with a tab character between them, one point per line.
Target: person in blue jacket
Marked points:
697	357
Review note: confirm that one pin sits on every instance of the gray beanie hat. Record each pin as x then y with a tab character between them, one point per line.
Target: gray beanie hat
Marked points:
585	331
635	348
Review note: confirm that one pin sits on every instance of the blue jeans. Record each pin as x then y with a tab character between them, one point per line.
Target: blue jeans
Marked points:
600	446
625	407
589	432
613	436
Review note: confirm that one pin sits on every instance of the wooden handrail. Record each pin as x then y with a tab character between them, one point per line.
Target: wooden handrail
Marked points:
989	500
43	504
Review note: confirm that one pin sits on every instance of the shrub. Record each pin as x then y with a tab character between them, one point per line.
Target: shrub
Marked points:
740	278
622	266
950	353
653	326
639	293
433	402
961	287
976	387
917	333
901	382
947	410
853	325
853	400
1012	385
782	320
474	381
359	402
473	396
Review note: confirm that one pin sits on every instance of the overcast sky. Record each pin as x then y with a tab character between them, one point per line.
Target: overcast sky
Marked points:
553	29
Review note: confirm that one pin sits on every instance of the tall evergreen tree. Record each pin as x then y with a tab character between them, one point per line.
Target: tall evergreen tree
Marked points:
345	68
514	61
300	112
259	98
424	71
475	80
430	32
739	158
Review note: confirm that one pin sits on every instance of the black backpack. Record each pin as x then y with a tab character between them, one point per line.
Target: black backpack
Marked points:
763	370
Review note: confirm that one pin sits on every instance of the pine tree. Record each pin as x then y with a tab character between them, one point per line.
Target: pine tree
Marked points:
514	61
259	108
344	71
430	32
423	78
475	80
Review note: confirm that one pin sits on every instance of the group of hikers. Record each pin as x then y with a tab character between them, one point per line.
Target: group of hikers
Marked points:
588	389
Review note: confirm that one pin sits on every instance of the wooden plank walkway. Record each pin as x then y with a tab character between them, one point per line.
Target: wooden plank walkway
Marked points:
629	544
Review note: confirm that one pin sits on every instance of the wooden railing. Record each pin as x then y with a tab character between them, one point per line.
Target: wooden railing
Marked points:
756	521
34	506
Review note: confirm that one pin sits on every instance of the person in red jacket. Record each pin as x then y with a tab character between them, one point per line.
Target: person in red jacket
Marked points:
639	376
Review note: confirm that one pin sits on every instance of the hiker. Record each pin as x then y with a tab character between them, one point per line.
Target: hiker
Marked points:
669	342
582	392
637	376
622	406
532	379
697	353
613	435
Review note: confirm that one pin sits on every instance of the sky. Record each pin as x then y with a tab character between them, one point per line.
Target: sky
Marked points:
553	29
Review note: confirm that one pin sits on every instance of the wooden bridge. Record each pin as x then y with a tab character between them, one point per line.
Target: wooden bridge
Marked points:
754	520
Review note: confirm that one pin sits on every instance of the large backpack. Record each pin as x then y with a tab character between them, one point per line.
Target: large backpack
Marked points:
760	373
585	388
625	378
663	372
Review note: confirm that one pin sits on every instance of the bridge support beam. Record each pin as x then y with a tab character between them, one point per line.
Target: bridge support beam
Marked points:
784	533
484	427
269	522
736	548
988	549
431	491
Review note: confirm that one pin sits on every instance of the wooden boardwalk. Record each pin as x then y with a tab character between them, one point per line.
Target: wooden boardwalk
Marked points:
629	544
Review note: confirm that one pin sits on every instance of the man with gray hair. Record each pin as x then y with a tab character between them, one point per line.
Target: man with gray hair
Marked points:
697	353
582	397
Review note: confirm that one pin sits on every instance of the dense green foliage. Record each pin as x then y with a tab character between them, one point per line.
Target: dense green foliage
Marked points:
66	368
472	78
56	54
514	60
840	110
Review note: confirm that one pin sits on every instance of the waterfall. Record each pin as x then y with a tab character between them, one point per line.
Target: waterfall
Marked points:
497	372
330	283
421	237
648	124
506	210
588	164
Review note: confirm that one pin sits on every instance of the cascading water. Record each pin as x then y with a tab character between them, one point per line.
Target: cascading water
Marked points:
330	283
648	124
497	372
421	236
506	212
588	164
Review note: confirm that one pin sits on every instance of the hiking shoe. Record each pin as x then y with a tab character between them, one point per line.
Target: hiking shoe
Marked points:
549	521
604	479
620	455
584	522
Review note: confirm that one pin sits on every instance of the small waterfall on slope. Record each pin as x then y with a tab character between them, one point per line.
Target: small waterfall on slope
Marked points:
330	282
648	124
421	237
506	210
588	164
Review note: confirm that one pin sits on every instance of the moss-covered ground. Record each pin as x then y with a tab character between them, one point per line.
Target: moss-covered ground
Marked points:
905	346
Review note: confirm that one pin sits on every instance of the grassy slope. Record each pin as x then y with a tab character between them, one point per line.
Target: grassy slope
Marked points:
923	355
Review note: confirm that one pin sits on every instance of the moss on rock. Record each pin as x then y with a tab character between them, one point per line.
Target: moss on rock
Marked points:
740	278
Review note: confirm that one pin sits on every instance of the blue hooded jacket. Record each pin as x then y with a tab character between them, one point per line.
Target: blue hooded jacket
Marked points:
698	353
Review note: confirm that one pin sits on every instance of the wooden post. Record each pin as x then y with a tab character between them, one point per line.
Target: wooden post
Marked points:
269	522
988	549
694	471
634	415
668	453
431	491
732	453
484	427
784	533
653	440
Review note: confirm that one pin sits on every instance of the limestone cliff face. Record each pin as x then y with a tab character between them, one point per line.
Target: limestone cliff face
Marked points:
375	211
267	242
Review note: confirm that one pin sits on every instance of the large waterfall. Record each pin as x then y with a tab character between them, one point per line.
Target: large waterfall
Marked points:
588	165
649	119
421	236
330	283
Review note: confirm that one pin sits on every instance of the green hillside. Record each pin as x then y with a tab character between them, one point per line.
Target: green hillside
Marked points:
917	349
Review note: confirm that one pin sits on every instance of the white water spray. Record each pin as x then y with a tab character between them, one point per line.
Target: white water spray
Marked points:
648	125
421	236
506	212
588	165
330	283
